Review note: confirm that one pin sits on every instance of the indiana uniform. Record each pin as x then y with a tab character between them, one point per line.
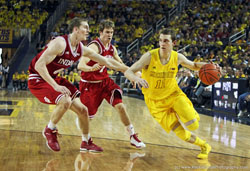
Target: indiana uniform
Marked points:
40	88
97	85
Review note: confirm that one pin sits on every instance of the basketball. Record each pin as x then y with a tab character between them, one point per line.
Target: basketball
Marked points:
209	74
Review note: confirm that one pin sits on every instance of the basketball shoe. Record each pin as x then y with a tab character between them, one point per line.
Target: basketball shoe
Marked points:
51	138
90	146
205	150
134	141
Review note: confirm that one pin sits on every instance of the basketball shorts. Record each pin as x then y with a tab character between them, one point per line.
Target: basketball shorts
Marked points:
46	94
170	110
92	94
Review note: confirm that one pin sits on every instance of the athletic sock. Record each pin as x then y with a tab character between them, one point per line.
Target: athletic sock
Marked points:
130	129
51	125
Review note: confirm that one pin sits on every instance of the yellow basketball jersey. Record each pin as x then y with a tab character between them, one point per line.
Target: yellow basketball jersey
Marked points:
161	78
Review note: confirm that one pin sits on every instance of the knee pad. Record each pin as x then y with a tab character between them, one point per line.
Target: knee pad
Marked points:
193	126
182	133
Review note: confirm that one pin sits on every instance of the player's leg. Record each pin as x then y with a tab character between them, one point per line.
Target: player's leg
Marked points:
83	117
120	108
83	121
46	94
187	136
50	132
62	106
89	98
186	112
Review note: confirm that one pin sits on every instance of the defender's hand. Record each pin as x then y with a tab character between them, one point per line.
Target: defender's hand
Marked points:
62	89
142	83
96	67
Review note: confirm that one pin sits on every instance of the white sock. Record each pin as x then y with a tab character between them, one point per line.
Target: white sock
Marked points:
130	129
51	125
85	137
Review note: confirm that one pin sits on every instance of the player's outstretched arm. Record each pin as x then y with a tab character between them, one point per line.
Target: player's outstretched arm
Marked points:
108	62
189	64
83	61
55	47
86	68
143	62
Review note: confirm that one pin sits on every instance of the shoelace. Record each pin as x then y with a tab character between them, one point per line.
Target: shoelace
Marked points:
136	137
90	141
55	131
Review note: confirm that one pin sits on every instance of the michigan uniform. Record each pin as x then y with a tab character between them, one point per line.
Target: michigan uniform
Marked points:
165	100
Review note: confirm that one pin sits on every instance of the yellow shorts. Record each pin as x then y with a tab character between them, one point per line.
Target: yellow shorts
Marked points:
168	111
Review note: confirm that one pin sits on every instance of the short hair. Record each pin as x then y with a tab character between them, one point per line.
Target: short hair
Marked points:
106	24
75	22
167	31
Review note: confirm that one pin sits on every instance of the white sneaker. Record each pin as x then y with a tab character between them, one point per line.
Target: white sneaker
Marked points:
134	141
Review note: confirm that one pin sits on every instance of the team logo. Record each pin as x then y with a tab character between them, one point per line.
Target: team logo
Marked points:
65	62
47	100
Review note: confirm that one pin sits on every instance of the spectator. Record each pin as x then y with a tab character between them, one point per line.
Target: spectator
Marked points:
130	62
23	80
5	71
15	81
1	79
244	102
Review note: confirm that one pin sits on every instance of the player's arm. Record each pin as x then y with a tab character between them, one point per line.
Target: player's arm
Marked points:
108	62
117	58
189	64
55	47
143	62
83	61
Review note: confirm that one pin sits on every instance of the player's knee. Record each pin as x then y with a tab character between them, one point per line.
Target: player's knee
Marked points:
83	111
193	126
65	102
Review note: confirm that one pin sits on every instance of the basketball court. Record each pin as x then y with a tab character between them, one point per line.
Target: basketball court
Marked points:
23	117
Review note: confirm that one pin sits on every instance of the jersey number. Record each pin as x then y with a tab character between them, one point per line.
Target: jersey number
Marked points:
160	84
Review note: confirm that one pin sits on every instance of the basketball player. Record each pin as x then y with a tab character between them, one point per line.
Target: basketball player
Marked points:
44	83
165	100
96	85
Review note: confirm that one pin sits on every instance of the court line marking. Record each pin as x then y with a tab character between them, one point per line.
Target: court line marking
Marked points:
128	141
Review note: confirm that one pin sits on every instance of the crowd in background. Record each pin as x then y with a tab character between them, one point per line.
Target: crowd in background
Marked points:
204	28
19	14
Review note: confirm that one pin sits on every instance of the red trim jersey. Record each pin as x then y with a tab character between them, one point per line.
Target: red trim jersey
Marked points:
102	73
65	60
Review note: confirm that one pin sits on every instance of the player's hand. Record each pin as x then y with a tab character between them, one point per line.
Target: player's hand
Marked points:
141	83
138	74
96	67
62	89
57	71
133	84
218	67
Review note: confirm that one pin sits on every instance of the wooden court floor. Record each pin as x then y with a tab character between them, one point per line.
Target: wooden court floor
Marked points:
22	146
